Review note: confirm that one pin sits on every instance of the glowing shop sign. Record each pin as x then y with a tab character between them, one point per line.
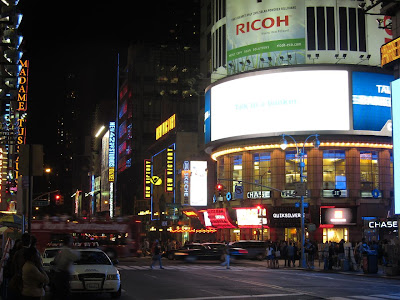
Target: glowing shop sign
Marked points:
338	216
111	199
186	181
22	99
170	169
111	152
390	52
387	224
165	127
147	179
251	217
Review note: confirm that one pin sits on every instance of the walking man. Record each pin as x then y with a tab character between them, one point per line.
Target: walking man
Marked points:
156	255
227	256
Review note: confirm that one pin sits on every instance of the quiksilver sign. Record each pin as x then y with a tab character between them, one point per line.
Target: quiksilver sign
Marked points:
286	215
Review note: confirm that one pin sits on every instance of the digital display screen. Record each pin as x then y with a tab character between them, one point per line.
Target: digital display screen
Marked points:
371	101
281	102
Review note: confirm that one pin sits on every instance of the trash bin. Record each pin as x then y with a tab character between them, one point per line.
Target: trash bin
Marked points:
370	263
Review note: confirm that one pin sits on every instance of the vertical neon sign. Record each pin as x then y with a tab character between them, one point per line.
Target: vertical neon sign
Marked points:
111	165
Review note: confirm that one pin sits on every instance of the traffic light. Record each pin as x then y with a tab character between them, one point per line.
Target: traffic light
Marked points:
61	200
57	198
219	189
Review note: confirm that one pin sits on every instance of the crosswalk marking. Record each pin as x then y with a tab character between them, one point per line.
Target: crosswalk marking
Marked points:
183	268
370	297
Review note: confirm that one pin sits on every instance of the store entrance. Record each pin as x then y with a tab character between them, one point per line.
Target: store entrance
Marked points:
335	235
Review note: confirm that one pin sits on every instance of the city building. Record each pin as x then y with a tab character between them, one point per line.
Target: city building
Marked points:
297	74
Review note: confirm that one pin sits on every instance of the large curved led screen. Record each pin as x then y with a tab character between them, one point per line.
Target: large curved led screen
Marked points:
269	103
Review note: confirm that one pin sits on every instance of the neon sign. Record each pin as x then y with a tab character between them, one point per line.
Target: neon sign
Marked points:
111	152
165	127
147	179
170	169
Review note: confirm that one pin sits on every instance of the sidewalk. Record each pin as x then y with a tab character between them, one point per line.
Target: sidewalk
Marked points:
319	267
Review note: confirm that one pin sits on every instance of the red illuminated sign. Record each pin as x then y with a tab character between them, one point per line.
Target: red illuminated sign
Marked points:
220	218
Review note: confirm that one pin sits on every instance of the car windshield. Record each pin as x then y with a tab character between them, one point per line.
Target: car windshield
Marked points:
50	253
93	258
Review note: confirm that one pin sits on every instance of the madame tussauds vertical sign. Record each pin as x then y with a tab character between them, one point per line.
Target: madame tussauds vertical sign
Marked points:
264	29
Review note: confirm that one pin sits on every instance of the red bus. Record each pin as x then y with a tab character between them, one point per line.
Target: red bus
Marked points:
116	238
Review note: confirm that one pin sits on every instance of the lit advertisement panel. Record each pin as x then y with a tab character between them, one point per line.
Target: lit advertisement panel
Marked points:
338	216
264	29
198	183
396	142
304	100
249	218
371	101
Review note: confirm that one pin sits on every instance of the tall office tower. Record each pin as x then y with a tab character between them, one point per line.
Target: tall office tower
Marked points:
161	79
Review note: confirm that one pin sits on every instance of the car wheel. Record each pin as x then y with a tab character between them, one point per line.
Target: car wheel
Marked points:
260	257
117	294
171	256
111	253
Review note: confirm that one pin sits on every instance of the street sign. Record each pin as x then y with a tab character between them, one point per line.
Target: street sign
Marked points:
238	192
300	188
297	204
40	203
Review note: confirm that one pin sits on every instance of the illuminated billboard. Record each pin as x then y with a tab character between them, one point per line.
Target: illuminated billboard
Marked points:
198	183
396	142
278	102
250	217
265	29
371	101
338	216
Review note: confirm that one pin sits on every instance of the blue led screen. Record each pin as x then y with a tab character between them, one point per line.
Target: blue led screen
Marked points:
371	100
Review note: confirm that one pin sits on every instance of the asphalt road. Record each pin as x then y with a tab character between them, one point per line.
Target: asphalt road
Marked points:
245	280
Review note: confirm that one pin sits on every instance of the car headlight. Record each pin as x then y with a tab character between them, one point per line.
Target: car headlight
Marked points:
112	276
73	278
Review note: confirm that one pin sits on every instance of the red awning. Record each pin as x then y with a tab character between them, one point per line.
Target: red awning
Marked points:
220	218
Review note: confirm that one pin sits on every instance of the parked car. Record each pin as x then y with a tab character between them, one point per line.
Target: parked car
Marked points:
207	251
256	249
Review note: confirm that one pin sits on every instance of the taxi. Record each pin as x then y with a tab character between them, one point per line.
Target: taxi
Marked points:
94	272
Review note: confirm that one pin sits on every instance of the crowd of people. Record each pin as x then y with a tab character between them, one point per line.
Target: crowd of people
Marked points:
24	276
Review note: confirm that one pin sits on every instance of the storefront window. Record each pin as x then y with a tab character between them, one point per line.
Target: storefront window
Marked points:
334	170
221	169
335	235
291	235
292	169
369	170
261	170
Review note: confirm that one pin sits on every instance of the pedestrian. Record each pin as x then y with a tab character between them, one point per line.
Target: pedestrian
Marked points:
227	256
270	256
8	271
156	254
290	254
309	252
34	279
18	261
325	255
62	267
284	253
146	247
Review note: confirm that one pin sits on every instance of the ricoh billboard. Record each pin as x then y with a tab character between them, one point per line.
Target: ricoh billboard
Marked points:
265	29
298	100
272	33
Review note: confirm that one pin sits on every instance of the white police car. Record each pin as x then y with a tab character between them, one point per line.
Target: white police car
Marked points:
48	256
94	272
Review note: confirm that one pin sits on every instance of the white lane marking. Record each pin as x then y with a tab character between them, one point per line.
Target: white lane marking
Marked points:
241	296
393	296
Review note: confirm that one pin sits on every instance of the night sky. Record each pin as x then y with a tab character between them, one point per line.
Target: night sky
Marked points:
81	37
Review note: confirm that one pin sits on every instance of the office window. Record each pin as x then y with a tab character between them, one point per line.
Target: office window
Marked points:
369	170
334	169
261	170
292	169
311	28
237	167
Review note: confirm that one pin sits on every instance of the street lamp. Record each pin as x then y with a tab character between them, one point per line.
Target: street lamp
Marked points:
300	153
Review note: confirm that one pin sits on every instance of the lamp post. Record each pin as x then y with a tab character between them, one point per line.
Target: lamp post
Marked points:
300	153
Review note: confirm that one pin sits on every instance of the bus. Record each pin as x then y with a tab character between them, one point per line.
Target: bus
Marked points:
116	238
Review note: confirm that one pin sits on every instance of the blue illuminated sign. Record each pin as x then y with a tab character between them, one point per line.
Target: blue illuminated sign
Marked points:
371	100
207	117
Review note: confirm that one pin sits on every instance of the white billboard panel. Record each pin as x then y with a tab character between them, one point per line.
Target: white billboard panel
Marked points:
396	142
280	102
198	183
